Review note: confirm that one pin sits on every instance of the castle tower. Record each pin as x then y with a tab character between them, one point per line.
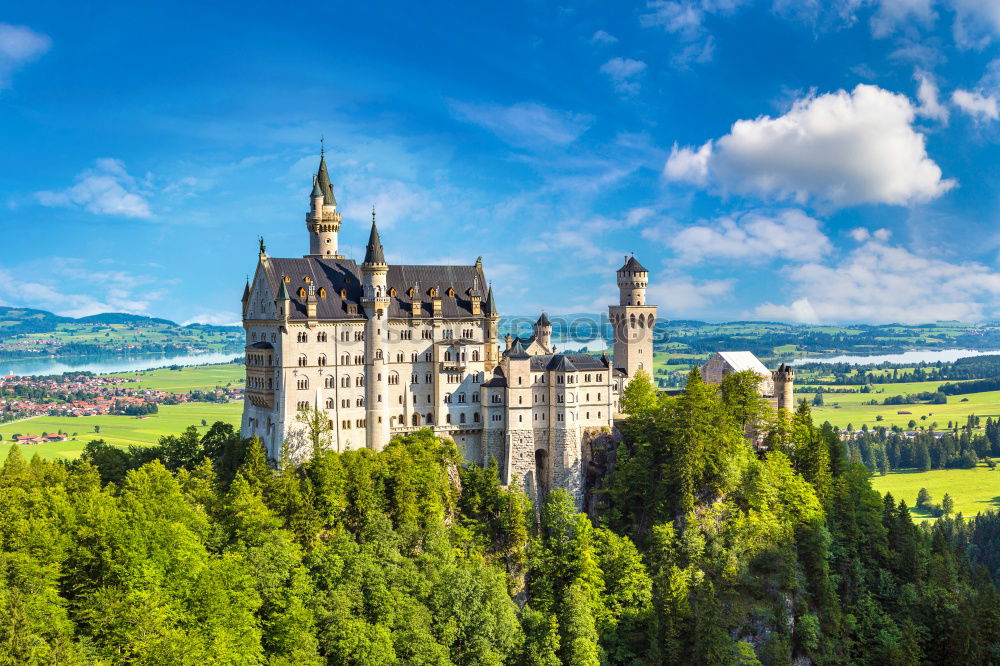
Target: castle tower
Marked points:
632	320
492	337
543	332
323	220
784	387
375	301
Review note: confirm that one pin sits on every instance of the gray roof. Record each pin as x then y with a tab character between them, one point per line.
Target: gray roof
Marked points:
374	253
491	306
576	362
334	275
543	321
323	179
632	265
517	350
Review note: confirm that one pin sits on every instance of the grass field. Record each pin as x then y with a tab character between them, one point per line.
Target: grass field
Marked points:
203	377
120	430
974	490
841	409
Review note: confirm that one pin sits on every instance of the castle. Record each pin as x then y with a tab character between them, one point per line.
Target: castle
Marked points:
384	350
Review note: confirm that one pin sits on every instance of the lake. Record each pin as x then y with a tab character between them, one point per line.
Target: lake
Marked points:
917	356
105	364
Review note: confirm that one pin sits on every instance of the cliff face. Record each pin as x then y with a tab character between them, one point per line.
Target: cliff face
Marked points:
600	447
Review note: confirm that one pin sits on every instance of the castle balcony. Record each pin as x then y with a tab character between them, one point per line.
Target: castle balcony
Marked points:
259	397
458	364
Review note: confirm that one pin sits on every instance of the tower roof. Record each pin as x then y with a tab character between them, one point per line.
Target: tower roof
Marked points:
323	181
491	306
317	190
283	292
543	321
517	350
374	253
246	291
632	265
561	363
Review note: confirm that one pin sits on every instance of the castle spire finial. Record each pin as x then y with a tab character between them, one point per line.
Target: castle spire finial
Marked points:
374	254
322	147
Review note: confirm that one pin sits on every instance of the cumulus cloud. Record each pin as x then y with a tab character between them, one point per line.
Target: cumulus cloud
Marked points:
891	14
838	148
525	124
19	45
881	283
754	237
976	104
927	94
63	288
394	200
624	74
107	189
602	37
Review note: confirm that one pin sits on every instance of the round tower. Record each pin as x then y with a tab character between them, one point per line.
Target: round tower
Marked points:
375	301
323	220
543	332
784	387
632	282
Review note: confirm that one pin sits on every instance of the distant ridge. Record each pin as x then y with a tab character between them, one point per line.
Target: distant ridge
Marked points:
122	318
17	321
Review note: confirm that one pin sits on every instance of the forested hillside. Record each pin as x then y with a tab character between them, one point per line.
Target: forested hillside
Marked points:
703	552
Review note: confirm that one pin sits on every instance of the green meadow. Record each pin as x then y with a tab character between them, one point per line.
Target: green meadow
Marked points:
190	378
119	430
842	409
974	490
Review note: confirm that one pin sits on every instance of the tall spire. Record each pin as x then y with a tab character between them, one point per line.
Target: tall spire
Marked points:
491	306
323	180
374	253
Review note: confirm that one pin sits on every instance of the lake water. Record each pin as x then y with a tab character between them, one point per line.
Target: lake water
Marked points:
918	356
104	364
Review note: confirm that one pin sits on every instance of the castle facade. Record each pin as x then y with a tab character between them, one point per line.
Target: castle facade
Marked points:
383	350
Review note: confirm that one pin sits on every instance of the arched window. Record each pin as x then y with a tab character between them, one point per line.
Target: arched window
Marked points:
321	336
475	417
302	360
392	292
345	381
447	419
642	321
649	321
461	417
302	383
475	354
416	419
632	321
400	357
330	382
447	356
322	292
329	403
378	354
302	292
321	360
451	292
429	419
345	359
359	380
394	378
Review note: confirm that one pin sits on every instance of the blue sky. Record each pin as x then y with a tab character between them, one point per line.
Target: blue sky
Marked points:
813	162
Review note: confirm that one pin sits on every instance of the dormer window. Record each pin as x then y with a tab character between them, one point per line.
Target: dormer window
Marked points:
288	278
411	292
392	292
434	292
451	293
322	292
302	292
306	279
343	293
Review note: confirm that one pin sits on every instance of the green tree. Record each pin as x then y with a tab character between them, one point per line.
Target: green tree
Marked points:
923	499
947	505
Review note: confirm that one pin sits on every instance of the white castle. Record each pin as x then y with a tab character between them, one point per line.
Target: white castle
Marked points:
384	350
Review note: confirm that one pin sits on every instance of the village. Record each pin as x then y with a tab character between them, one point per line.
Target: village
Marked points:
84	394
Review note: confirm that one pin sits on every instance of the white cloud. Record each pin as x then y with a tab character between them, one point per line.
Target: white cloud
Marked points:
977	22
57	289
753	237
602	37
976	104
689	165
927	94
107	189
838	148
624	73
393	200
525	124
19	45
681	295
685	19
215	319
881	283
891	14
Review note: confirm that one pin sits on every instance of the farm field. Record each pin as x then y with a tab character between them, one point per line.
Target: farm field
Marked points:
119	430
190	378
974	490
842	409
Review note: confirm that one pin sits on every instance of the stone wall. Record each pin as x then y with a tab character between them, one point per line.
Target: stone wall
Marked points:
521	460
567	463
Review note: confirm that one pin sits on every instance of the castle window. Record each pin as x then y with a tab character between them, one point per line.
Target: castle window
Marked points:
302	360
461	418
321	337
345	359
329	382
305	278
434	292
429	419
410	292
321	360
475	354
345	381
392	292
343	293
330	404
451	292
414	378
649	321
461	397
302	384
253	337
399	357
415	419
447	356
447	397
378	354
447	419
475	397
322	292
302	292
394	379
359	402
631	321
302	337
413	357
288	278
475	417
303	404
359	380
600	378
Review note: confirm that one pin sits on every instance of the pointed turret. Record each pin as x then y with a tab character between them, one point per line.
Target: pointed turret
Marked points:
317	190
374	255
246	292
491	306
283	301
323	181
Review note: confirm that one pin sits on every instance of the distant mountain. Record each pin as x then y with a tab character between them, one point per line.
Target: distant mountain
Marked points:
122	318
